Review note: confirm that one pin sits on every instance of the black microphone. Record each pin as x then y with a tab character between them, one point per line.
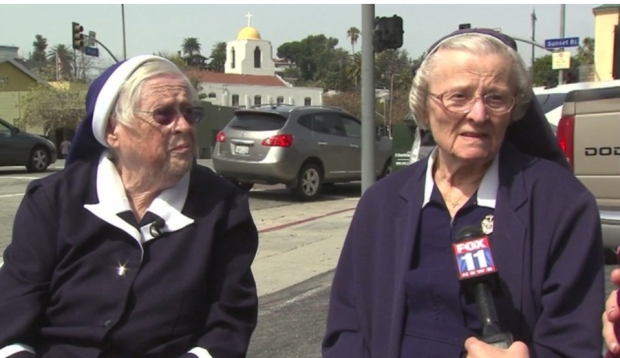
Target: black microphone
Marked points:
477	272
156	226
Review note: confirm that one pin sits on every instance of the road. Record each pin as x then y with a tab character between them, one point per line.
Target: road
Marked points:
14	180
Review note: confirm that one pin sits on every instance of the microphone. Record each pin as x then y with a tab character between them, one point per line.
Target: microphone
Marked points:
156	226
477	271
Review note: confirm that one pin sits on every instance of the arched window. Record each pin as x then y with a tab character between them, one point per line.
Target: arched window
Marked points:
280	100
232	58
258	100
307	101
257	55
235	100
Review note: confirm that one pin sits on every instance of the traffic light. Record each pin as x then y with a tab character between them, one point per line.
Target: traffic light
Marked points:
464	26
388	33
78	36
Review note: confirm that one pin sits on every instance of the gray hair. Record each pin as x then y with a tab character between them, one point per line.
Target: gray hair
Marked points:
132	88
477	44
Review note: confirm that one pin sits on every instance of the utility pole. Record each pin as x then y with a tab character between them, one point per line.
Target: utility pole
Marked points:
124	43
562	30
534	18
368	97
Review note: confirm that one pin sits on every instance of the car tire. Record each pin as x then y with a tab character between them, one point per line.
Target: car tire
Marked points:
245	186
39	160
309	182
611	257
387	170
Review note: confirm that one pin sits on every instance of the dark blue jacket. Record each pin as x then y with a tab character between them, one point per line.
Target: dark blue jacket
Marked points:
547	248
62	294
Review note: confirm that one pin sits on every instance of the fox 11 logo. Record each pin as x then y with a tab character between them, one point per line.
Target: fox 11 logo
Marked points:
473	258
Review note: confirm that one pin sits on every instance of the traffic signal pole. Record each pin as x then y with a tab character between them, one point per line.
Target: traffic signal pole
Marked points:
79	37
368	97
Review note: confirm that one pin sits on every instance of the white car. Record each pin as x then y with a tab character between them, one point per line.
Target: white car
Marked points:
552	99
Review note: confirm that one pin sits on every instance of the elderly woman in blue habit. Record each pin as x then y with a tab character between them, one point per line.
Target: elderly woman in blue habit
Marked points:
133	250
497	168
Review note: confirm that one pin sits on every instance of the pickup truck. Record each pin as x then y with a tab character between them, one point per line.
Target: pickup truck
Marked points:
589	134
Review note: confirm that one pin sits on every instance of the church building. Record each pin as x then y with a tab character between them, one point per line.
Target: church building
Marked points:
251	77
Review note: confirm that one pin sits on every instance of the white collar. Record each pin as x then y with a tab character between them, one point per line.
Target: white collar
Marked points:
487	192
113	200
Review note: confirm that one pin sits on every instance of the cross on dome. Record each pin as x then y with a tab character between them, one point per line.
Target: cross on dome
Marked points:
249	16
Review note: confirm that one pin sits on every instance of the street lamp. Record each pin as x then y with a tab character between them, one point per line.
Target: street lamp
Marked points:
124	43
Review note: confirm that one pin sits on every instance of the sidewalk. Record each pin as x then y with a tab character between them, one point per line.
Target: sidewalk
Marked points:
296	244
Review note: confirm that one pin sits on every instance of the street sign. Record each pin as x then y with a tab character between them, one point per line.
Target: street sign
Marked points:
91	51
560	60
562	43
90	41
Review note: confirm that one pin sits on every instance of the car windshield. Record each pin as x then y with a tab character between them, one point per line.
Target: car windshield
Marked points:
253	121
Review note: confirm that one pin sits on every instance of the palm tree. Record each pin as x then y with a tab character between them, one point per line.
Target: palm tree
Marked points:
354	71
353	34
190	46
61	56
585	52
218	57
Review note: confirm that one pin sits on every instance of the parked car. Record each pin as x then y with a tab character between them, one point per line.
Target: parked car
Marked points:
552	99
303	147
589	134
18	148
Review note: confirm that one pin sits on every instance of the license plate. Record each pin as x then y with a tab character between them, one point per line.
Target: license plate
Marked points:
242	149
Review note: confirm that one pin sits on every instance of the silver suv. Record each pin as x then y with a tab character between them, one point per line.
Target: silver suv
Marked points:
301	147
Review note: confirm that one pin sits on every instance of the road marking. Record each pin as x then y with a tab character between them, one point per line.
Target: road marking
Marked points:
302	221
289	302
10	195
22	178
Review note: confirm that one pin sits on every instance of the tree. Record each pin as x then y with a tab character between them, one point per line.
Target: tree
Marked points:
353	33
86	68
191	46
62	57
218	57
174	58
585	52
392	63
53	108
40	46
312	55
543	71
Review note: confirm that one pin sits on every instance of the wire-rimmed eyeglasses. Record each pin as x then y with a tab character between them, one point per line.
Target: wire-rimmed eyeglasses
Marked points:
168	114
462	102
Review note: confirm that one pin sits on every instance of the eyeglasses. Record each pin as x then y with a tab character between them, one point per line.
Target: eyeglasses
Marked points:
168	114
462	102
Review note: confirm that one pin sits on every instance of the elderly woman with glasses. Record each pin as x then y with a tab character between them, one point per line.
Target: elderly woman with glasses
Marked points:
490	240
133	250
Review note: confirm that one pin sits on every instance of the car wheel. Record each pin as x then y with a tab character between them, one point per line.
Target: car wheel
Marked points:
309	182
245	186
387	170
39	160
611	257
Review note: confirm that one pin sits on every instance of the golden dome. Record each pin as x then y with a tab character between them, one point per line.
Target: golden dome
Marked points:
248	33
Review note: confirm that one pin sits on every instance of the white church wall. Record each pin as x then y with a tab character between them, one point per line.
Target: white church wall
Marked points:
224	95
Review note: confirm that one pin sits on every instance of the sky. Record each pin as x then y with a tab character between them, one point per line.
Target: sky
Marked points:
153	28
